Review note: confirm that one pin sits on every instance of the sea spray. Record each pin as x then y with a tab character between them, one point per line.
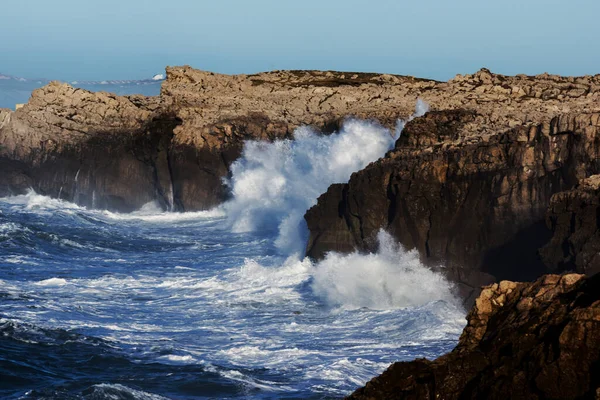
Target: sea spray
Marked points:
389	279
274	183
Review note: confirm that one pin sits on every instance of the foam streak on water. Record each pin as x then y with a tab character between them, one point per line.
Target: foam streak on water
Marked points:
151	305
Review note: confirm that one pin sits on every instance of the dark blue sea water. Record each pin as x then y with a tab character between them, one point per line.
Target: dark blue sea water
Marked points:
217	304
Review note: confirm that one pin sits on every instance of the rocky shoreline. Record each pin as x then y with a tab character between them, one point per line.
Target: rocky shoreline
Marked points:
537	340
498	182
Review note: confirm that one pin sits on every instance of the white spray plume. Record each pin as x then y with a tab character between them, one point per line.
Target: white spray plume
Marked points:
390	278
274	183
420	109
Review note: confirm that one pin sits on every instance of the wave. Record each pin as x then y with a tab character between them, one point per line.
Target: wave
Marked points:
45	205
274	184
119	392
390	278
151	212
32	201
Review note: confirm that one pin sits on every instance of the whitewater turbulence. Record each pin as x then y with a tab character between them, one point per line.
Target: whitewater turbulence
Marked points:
273	184
218	303
391	278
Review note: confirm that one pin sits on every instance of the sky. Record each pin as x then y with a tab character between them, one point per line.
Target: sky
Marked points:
135	39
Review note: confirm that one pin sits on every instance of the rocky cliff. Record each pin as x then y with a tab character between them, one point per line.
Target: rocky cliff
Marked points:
536	340
574	218
107	151
469	183
176	148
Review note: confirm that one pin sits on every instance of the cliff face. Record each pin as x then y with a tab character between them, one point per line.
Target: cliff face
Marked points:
469	183
176	148
537	340
96	149
107	151
574	218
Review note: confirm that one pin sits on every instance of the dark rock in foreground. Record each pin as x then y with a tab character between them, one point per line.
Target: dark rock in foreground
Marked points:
537	340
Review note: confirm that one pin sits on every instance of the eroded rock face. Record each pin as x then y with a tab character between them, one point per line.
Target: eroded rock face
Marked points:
107	151
537	340
574	218
97	149
468	187
177	148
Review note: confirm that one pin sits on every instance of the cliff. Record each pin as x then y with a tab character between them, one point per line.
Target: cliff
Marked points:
177	147
107	151
537	340
469	183
574	218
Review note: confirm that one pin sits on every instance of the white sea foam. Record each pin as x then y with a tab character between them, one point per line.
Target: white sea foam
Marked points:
390	278
36	202
52	282
273	184
151	212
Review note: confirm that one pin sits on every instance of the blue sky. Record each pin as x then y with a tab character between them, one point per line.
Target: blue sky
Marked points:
131	39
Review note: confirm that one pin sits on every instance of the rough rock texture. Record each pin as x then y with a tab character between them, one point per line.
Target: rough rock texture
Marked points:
96	149
469	183
176	148
107	151
574	218
536	340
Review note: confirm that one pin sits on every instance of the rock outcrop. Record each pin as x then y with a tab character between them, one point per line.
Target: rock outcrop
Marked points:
536	340
574	218
96	149
177	148
469	183
108	151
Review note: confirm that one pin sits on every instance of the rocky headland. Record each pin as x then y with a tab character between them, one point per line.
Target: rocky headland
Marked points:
500	181
114	152
469	184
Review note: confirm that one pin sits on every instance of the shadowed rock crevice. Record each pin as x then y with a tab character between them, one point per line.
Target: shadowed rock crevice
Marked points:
574	219
519	257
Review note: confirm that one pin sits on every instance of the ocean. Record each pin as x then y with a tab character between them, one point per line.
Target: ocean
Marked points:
217	304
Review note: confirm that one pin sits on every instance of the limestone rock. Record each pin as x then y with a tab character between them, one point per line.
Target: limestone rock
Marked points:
465	189
542	341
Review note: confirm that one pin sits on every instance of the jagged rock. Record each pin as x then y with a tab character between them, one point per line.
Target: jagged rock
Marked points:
537	340
177	147
574	218
467	185
97	149
108	151
465	189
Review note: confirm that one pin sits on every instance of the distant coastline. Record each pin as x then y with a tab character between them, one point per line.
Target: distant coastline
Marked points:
17	90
